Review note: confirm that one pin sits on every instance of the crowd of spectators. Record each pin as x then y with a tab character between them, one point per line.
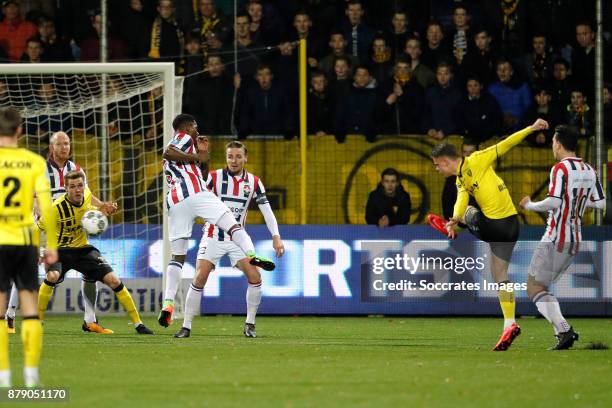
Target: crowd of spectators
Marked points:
476	68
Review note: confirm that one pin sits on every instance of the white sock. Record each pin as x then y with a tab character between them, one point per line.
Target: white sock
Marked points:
174	273
90	294
13	303
548	306
193	302
30	376
253	299
5	379
508	323
239	236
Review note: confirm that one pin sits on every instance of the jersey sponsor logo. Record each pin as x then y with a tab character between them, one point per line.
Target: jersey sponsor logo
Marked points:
501	187
15	164
246	190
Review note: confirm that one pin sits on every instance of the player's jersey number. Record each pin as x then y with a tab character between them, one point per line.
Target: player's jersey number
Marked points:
12	184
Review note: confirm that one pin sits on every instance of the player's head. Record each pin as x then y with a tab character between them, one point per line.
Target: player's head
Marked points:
389	179
10	122
75	186
565	141
469	146
185	123
445	158
59	147
235	156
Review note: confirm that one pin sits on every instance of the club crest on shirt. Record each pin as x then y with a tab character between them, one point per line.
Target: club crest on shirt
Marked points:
246	190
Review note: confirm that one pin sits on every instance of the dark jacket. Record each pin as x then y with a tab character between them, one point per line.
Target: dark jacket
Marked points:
211	104
404	116
479	119
481	65
319	113
357	113
440	105
397	208
265	112
365	36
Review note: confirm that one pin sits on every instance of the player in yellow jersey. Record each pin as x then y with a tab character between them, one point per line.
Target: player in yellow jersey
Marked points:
496	222
22	174
76	253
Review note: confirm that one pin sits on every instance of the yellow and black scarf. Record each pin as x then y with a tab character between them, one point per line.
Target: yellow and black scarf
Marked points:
156	37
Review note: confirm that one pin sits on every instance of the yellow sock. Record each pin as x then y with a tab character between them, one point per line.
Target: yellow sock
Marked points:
45	293
4	346
32	337
128	304
508	306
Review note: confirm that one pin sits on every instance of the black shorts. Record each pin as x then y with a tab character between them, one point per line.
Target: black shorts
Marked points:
501	234
87	260
18	264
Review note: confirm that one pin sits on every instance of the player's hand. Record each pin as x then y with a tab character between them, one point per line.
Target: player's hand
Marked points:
50	256
539	124
524	201
278	246
450	227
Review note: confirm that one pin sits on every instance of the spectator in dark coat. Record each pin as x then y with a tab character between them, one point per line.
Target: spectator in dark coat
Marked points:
90	46
33	51
538	63
337	44
512	94
562	82
546	109
389	204
165	36
54	48
248	57
583	59
607	101
441	101
403	102
578	113
380	62
211	100
460	37
319	106
357	113
399	32
478	115
436	49
265	109
423	75
480	59
133	25
340	84
358	34
211	27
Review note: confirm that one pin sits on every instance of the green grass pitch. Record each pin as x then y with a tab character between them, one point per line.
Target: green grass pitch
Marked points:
323	362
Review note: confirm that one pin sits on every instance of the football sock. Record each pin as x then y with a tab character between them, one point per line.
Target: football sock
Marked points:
45	293
127	302
90	295
548	306
4	349
253	299
508	306
174	273
192	304
32	338
13	303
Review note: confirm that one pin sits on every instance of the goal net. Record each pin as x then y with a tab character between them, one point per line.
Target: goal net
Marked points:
118	117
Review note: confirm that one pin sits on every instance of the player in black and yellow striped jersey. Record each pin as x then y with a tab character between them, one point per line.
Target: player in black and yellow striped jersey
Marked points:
76	253
22	174
496	221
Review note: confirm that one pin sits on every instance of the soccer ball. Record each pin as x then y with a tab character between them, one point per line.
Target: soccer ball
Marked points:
94	222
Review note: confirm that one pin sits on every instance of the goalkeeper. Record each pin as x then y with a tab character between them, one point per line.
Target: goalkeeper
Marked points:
75	252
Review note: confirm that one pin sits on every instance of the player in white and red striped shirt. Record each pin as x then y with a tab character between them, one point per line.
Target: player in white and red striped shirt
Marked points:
188	198
236	187
58	164
574	186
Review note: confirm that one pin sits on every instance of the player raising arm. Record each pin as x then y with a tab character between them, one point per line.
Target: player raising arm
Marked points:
236	187
76	253
573	187
188	198
496	222
22	174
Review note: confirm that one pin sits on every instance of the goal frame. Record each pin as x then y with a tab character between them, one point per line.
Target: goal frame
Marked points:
164	68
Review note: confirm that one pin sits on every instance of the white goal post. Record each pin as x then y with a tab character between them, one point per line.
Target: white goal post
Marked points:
85	95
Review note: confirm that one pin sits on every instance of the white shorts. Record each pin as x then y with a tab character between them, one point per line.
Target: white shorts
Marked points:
548	264
212	250
182	215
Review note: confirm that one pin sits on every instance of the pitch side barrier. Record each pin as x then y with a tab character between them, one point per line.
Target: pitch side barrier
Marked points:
336	270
